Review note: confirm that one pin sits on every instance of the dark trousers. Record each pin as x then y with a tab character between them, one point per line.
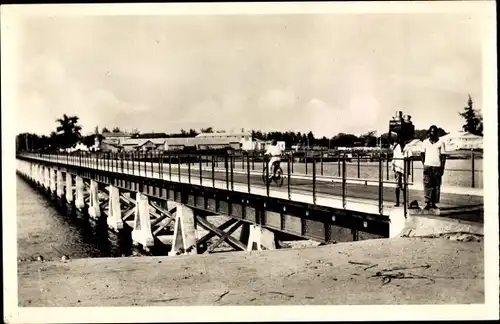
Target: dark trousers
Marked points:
432	184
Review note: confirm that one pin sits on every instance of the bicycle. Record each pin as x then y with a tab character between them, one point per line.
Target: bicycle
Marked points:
277	176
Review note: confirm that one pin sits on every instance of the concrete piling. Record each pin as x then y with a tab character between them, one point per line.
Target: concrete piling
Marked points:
114	211
94	207
141	233
185	234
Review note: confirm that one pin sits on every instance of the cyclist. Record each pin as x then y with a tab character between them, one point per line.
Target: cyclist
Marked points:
274	151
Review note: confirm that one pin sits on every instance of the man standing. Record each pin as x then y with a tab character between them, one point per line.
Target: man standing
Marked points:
399	158
433	158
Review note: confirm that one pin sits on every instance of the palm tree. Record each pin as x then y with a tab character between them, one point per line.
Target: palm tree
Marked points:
69	130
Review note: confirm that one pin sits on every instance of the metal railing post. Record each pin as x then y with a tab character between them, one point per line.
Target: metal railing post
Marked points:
358	165
339	162
387	165
232	179
292	161
152	165
248	172
179	166
170	165
200	164
405	197
321	158
344	189
289	177
412	171
473	167
314	180
253	160
132	157
267	174
380	185
305	157
226	165
213	171
160	165
189	168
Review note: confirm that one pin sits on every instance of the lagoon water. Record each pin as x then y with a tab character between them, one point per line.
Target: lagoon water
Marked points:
43	230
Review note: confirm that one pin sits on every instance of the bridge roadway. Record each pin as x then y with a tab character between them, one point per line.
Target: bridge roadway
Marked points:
359	196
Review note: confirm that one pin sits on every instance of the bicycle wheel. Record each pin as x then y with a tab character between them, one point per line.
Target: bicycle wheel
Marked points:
279	177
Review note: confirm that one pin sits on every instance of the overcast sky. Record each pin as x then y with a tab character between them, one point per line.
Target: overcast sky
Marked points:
326	73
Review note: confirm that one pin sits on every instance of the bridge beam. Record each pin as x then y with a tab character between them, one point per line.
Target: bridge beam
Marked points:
185	233
141	232
114	211
94	207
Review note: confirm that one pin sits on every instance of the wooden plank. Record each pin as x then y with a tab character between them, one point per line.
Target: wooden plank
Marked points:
226	236
236	244
211	234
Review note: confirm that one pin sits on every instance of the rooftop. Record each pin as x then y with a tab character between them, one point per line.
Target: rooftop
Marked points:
115	134
223	134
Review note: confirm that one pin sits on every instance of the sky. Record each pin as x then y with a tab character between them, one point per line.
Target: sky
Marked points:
327	73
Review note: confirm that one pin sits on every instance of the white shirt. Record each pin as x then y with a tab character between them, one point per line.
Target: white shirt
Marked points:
433	152
273	150
397	160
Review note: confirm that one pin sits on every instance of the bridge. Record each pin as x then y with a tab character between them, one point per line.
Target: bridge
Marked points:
170	198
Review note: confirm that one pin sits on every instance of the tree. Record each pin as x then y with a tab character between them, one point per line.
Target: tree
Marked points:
105	130
369	139
193	132
207	130
473	119
68	131
116	130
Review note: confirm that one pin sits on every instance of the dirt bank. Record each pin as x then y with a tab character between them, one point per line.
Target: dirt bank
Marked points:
396	271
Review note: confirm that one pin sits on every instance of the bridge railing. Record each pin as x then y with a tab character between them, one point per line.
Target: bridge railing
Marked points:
241	172
347	181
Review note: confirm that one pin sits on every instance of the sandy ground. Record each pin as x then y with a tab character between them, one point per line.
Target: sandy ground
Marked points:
396	271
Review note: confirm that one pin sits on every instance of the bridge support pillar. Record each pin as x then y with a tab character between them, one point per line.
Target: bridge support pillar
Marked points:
79	202
94	208
52	181
60	184
38	174
46	179
397	221
185	233
114	211
141	233
259	238
69	188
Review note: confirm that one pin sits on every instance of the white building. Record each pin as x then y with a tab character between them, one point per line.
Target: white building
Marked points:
241	140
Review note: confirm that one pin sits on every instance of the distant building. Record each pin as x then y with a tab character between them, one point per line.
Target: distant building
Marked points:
110	146
462	141
151	135
179	143
231	137
216	143
143	144
116	137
